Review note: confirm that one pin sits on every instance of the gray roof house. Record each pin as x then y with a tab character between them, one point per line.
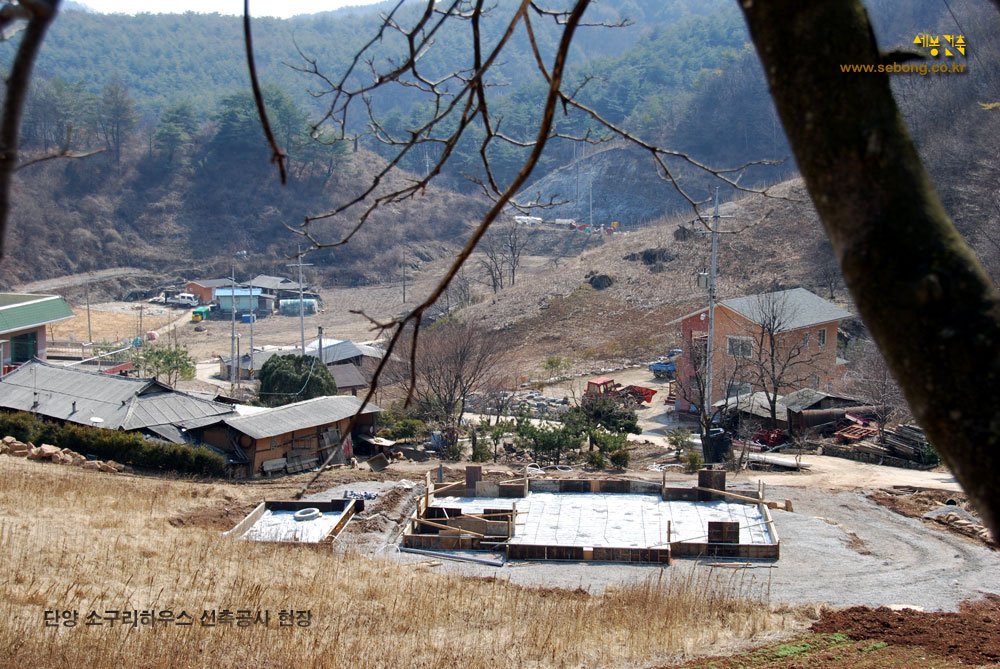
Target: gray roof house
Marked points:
101	400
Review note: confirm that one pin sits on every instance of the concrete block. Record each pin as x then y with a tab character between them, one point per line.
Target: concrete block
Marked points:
543	485
487	489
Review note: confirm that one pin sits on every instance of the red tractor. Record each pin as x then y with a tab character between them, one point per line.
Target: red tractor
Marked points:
604	386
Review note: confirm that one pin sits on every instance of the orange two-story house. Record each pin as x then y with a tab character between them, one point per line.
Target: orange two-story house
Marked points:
804	328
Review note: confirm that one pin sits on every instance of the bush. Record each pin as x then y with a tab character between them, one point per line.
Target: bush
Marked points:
596	460
928	455
127	448
692	461
408	428
621	458
481	451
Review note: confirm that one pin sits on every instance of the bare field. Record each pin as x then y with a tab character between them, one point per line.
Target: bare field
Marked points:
113	324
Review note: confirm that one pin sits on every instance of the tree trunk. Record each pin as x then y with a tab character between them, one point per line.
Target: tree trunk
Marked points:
921	292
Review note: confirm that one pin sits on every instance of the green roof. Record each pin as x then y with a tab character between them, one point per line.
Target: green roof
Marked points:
20	312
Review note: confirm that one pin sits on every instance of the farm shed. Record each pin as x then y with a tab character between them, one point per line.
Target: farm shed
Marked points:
290	438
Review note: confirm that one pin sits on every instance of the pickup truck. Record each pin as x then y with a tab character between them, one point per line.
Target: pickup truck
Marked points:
183	300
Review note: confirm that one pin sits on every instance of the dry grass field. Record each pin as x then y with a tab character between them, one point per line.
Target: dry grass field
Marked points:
85	541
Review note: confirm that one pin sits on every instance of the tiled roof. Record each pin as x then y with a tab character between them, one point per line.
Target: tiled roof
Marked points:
792	309
299	416
79	396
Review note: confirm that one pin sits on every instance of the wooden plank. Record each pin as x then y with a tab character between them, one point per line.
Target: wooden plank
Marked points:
449	486
442	526
734	495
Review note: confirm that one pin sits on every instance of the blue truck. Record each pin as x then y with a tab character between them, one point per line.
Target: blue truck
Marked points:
666	369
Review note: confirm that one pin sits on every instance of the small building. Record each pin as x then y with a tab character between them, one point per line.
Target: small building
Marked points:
23	318
281	288
289	438
344	351
247	300
205	289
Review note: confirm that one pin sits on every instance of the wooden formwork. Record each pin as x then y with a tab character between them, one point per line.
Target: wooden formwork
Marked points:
345	507
596	553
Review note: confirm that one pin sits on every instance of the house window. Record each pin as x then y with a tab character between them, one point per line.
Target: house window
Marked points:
23	347
822	337
805	339
739	389
739	347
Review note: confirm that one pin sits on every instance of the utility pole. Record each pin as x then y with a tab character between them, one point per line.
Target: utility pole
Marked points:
302	306
322	358
253	317
232	333
710	349
90	337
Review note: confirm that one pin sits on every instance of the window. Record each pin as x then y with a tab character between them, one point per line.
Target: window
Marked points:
739	347
23	347
805	339
739	389
822	337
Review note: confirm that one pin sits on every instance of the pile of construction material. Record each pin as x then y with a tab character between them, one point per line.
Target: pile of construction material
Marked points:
906	441
62	456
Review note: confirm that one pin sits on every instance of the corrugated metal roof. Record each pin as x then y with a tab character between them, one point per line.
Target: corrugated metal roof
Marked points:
347	376
20	311
274	282
78	396
299	416
212	283
797	308
170	407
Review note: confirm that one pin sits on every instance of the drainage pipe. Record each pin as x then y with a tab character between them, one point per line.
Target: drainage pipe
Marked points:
448	556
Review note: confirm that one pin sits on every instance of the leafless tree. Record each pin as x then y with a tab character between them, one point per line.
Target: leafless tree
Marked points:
779	355
456	360
730	374
870	380
493	261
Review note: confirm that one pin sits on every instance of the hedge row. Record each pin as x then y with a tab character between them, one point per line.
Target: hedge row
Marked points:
124	447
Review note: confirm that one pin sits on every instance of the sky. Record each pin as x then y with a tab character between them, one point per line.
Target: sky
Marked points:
279	8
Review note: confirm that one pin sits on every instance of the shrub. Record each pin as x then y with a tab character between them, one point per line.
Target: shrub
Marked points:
408	428
124	447
692	461
621	458
481	451
596	460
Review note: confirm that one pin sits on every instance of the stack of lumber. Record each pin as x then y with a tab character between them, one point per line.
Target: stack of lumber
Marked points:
871	447
906	441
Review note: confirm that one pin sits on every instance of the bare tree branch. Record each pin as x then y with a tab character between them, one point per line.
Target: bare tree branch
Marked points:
277	155
40	14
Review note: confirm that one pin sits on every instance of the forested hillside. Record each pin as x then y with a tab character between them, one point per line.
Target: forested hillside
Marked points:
183	180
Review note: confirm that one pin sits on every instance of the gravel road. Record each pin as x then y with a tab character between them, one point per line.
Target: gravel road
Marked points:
837	547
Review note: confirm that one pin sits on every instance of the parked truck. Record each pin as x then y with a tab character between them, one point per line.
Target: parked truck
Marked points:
185	300
666	369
